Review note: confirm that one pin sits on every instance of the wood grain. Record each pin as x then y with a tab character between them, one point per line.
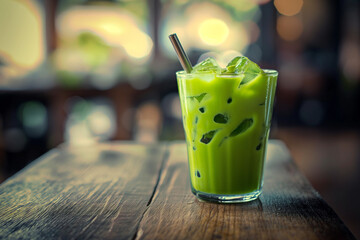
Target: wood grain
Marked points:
135	191
289	207
96	192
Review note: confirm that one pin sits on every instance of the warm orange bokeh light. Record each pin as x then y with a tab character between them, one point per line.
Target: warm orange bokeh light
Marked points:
288	7
289	28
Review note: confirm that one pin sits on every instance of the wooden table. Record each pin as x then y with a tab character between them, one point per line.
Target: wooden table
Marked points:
126	190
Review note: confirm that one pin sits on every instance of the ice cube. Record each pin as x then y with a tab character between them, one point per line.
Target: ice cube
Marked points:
242	127
258	147
236	64
209	65
248	77
193	133
243	65
207	137
221	118
222	141
199	97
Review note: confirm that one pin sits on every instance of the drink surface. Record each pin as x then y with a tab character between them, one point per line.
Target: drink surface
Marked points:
226	117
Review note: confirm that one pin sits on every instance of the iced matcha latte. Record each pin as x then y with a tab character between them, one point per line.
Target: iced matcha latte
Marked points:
226	116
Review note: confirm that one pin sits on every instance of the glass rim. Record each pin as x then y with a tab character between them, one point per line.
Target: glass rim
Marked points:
268	72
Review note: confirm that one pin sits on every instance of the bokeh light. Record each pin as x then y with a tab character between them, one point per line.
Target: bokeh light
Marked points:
213	31
89	121
148	120
350	60
211	26
289	28
101	121
254	31
171	106
22	43
288	7
33	115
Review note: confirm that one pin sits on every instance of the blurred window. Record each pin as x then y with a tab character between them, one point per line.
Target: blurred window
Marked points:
101	41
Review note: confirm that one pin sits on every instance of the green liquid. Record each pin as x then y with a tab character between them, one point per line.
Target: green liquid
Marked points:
226	125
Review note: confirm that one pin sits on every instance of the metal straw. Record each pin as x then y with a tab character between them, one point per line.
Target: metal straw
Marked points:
183	58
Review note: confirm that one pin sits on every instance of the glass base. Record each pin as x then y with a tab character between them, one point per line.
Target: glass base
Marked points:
224	198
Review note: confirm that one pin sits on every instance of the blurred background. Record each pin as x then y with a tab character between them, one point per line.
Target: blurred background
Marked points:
84	71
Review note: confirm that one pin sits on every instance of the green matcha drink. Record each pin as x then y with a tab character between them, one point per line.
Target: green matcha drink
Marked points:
226	117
